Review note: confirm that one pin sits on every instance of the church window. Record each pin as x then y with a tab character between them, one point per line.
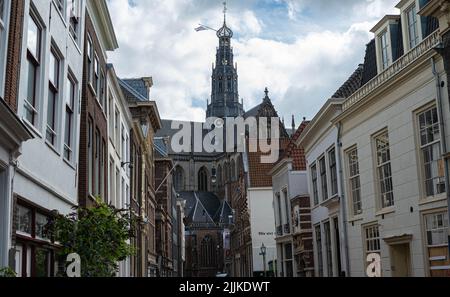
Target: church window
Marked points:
203	180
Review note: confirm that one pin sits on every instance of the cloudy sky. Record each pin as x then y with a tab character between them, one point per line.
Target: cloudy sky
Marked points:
302	50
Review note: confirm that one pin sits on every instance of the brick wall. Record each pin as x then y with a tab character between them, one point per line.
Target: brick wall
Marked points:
14	53
91	108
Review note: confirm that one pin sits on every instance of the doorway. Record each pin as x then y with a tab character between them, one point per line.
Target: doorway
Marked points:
400	260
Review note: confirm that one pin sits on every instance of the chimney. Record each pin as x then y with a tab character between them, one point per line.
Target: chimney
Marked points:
149	84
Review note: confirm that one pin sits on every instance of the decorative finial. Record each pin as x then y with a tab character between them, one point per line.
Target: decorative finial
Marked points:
267	92
293	122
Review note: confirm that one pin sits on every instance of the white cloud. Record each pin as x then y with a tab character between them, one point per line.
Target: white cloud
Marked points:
157	38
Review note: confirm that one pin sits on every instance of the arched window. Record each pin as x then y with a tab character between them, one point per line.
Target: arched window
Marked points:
207	252
238	166
178	179
233	170
227	172
219	175
203	180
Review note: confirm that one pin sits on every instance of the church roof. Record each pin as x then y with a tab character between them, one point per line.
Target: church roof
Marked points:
205	207
161	147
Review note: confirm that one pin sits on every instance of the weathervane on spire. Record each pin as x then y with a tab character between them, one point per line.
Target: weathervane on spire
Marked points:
225	11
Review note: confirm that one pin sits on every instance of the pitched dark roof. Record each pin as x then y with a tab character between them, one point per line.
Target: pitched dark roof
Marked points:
130	93
161	148
138	84
351	85
370	63
204	207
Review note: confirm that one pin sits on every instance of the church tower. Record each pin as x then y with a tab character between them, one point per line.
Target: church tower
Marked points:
224	90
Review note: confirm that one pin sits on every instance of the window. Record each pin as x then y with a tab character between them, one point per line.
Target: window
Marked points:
112	185
372	239
433	164
179	179
90	54
111	118
323	178
288	260
280	216
123	144
384	49
333	171
69	125
413	35
102	169
203	180
328	248
33	60
102	91
314	184
436	227
97	163
354	181
73	11
2	13
34	249
319	250
287	227
117	202
384	172
90	156
24	219
96	77
53	94
117	130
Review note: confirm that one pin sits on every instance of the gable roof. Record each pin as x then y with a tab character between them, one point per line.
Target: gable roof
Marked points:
204	208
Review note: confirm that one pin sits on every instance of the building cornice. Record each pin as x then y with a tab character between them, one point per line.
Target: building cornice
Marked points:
391	76
327	111
106	30
384	20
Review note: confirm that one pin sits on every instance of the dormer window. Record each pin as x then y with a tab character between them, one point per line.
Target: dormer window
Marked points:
413	34
384	45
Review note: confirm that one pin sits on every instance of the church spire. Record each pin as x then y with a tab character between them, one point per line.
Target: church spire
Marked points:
224	89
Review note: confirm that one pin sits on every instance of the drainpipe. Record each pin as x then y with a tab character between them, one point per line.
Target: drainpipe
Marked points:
443	142
342	199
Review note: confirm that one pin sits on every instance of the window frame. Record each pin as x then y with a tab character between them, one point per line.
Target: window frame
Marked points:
332	166
443	228
356	175
374	241
384	49
421	150
314	184
34	60
387	165
323	178
412	42
54	90
70	114
319	248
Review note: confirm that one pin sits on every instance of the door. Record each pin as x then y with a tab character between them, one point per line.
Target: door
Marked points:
400	260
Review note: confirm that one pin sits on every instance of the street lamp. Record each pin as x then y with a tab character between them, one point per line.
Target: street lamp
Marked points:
263	253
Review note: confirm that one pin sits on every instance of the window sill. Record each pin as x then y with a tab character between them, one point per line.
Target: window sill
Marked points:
32	128
77	46
356	218
91	88
52	147
63	19
70	164
385	211
432	199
